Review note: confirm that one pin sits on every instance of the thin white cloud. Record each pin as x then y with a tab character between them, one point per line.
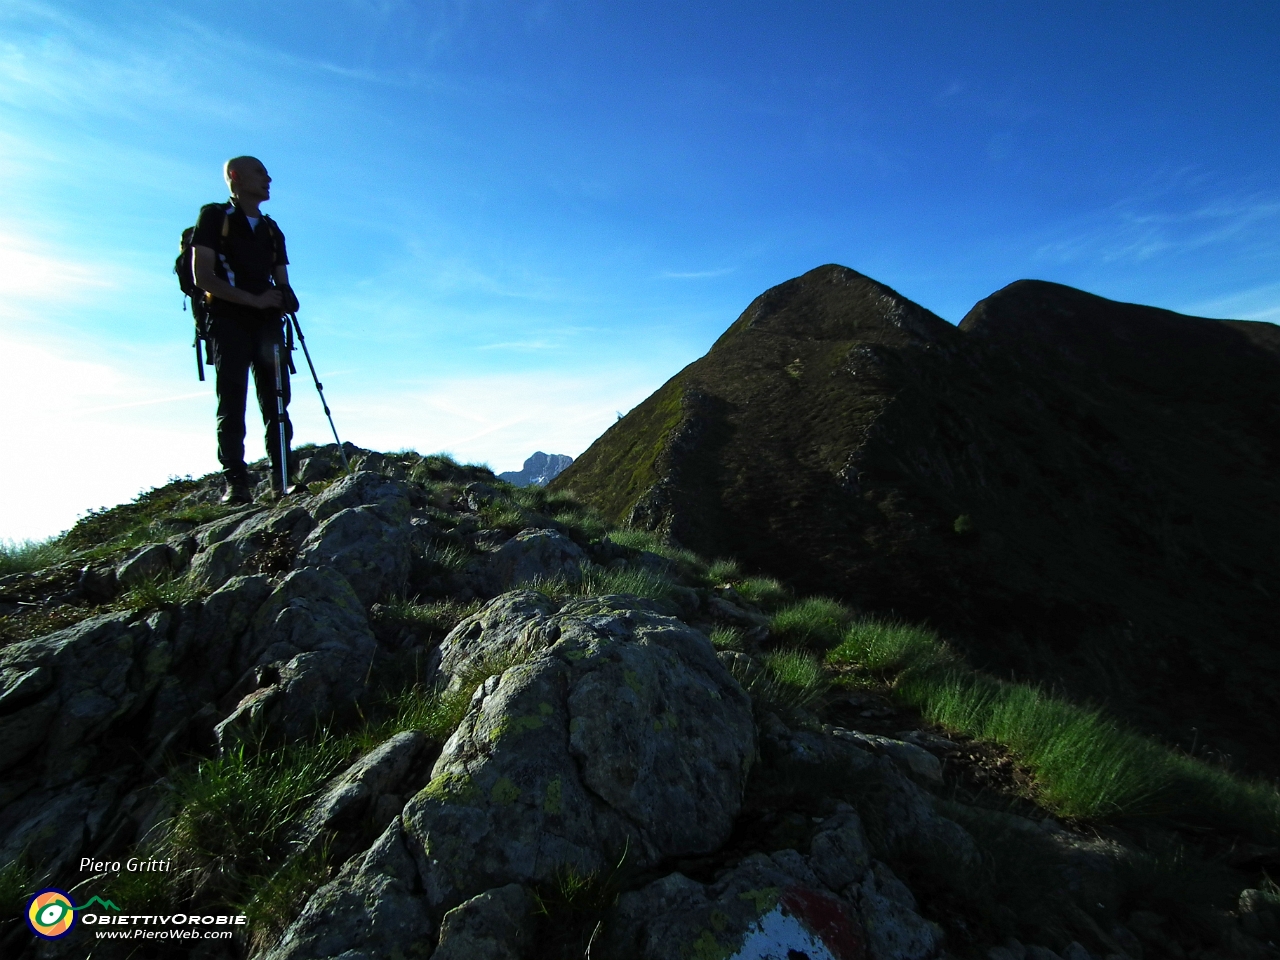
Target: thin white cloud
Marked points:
1132	231
32	271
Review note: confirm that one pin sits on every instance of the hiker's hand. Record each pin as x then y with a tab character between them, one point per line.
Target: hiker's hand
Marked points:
273	299
290	303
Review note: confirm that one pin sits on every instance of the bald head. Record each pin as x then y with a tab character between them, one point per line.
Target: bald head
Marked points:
236	167
248	180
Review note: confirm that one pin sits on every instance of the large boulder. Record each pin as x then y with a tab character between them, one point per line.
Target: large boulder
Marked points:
619	734
535	554
624	733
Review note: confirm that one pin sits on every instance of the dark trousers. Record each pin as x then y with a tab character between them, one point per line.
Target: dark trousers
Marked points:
240	342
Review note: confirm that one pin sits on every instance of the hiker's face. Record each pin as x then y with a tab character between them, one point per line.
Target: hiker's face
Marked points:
252	182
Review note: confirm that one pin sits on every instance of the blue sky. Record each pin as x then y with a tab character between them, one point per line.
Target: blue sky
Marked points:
510	221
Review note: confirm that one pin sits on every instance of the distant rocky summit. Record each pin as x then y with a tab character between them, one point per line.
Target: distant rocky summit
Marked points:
538	470
1081	492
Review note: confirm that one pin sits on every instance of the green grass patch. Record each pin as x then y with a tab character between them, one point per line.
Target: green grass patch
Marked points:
786	681
26	555
1085	765
723	571
571	908
502	515
768	593
129	523
163	593
445	558
277	900
815	622
17	886
599	582
727	638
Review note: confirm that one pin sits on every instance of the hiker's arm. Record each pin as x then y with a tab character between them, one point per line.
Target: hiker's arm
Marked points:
208	281
281	277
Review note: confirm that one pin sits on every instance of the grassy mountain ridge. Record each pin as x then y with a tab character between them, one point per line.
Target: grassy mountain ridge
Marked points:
1078	491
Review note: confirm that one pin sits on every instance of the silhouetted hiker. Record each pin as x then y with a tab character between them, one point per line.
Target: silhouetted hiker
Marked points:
240	261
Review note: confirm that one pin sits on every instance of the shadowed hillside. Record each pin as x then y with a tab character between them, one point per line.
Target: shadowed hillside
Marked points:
1078	491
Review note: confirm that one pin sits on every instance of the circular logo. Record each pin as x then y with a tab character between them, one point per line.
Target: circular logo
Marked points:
51	914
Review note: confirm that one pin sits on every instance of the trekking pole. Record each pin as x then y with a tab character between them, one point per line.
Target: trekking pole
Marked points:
320	390
284	439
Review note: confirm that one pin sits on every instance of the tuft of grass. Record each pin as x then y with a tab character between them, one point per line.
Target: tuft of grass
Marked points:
572	905
886	648
768	593
684	560
277	900
26	555
815	622
163	593
726	638
634	539
502	515
236	813
723	571
599	582
787	681
445	558
17	884
435	618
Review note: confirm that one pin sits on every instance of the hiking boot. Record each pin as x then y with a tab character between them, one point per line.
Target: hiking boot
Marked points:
237	493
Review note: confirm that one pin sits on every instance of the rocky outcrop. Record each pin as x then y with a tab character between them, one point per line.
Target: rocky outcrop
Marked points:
539	470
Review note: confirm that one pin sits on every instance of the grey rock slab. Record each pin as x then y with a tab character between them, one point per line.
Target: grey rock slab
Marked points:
226	558
372	552
839	852
103	668
494	925
386	769
368	912
760	910
313	639
894	930
513	625
916	760
146	563
534	554
364	488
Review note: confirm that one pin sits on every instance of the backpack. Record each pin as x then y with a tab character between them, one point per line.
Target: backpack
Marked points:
184	267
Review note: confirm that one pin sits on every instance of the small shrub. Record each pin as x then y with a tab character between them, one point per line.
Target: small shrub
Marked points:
964	525
767	593
815	622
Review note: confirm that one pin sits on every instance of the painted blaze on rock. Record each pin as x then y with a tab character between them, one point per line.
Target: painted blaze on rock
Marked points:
621	731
